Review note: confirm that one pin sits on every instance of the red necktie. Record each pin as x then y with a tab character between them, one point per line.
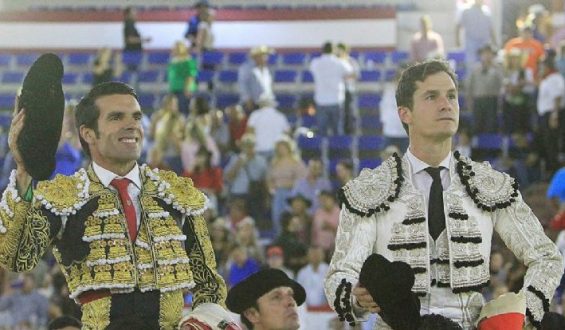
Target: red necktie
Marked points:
122	186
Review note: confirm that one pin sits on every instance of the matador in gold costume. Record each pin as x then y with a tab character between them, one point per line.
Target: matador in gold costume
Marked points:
127	251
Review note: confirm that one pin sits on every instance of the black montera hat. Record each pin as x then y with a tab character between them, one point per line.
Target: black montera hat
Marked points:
390	285
43	100
245	294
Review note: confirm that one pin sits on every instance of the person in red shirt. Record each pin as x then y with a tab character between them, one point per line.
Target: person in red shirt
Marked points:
206	177
526	43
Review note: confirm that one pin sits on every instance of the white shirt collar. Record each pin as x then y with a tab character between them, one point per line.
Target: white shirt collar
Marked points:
419	165
106	176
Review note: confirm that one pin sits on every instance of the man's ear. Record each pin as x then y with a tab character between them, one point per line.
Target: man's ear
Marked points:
405	115
87	134
252	314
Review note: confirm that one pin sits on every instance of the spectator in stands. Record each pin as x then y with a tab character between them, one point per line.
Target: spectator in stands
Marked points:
426	43
64	322
483	88
550	104
299	205
312	183
244	169
222	243
181	75
350	111
194	138
285	170
268	124
200	113
242	266
329	74
476	21
205	35
518	93
207	178
275	259
393	131
106	67
267	300
413	221
344	171
311	277
528	45
294	250
247	236
219	131
523	156
237	211
68	157
202	7
133	41
324	224
26	306
237	124
254	78
166	130
155	159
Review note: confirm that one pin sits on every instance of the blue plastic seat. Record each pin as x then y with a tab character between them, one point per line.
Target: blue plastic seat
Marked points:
370	76
158	58
26	59
237	58
307	76
146	101
227	76
340	146
370	146
7	101
79	59
5	60
212	58
13	77
70	78
369	163
150	76
206	75
132	58
457	56
285	76
294	59
226	100
377	57
286	101
399	56
369	101
310	147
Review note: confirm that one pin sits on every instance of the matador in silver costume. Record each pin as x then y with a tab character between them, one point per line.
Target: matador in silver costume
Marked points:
386	211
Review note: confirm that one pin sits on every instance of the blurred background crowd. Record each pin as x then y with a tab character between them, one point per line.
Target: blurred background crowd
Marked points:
270	135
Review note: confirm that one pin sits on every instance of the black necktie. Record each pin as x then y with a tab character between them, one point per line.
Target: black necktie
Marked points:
436	217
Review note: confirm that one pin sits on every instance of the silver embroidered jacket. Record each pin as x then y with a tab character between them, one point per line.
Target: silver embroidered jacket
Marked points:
382	212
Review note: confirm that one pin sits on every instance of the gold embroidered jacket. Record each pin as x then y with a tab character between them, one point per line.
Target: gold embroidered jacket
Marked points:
85	224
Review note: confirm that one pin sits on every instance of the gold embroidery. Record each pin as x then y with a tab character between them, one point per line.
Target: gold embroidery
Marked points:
117	248
170	309
114	224
93	226
183	191
102	273
62	192
96	314
123	272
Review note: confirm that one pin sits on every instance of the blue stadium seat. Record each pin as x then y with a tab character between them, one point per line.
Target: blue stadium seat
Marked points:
132	58
87	78
7	101
158	58
294	59
375	57
26	59
310	147
370	76
285	76
399	56
79	59
125	77
227	76
340	146
487	146
369	163
307	76
5	60
206	75
370	124
273	59
457	56
70	78
308	121
149	76
286	101
146	101
369	101
237	58
369	146
226	100
390	74
6	118
212	58
13	77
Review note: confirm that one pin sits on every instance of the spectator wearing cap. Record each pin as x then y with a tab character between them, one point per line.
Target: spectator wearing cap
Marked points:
330	74
324	224
311	277
294	250
254	78
312	183
268	124
267	299
528	45
484	86
275	260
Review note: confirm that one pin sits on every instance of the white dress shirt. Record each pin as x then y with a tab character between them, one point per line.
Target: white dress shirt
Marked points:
134	188
421	179
329	79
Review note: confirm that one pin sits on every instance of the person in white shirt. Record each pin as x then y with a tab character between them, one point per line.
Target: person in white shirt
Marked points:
329	74
393	130
268	124
254	78
311	277
437	211
550	102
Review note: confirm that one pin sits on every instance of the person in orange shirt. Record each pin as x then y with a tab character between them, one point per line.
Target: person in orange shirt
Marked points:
526	43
